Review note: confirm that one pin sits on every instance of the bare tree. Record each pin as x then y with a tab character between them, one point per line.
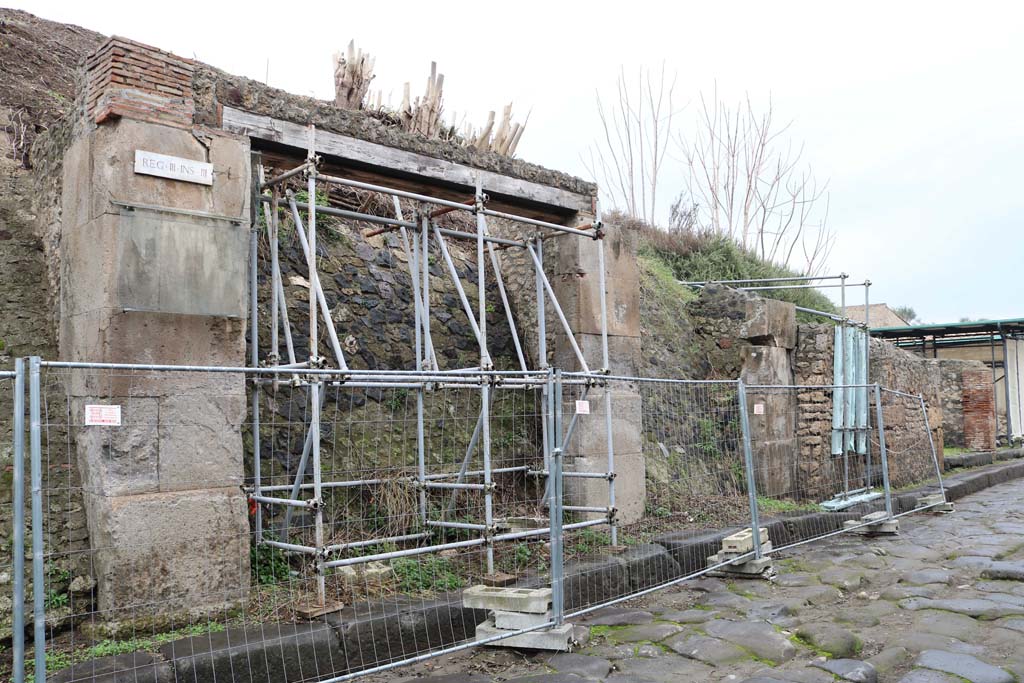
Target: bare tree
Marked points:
745	180
636	131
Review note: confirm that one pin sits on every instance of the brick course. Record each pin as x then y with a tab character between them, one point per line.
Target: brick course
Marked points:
133	80
979	411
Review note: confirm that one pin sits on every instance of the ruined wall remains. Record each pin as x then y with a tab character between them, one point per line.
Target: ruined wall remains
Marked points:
978	406
890	367
960	400
139	258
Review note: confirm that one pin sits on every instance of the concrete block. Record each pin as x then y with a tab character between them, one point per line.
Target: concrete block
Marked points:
756	568
157	549
514	621
558	639
725	556
743	541
533	600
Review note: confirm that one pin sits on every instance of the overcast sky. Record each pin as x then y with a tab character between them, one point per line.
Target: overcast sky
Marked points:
914	112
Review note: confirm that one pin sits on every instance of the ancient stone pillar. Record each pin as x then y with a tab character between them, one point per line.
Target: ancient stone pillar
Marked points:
770	328
576	282
154	252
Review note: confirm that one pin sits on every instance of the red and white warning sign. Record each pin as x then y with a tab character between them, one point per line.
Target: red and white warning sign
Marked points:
583	407
102	415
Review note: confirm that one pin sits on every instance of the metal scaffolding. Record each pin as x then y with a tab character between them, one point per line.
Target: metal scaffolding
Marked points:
418	234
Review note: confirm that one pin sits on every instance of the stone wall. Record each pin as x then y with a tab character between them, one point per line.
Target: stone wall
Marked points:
890	367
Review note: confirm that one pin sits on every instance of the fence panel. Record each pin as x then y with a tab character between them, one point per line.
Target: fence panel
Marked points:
690	447
914	467
166	543
812	476
323	530
12	509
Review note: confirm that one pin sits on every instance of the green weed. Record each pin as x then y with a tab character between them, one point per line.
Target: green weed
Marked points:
425	574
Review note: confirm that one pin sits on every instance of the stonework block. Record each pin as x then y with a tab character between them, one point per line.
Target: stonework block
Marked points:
186	552
119	461
590	436
766	365
623	353
630	484
770	322
201	440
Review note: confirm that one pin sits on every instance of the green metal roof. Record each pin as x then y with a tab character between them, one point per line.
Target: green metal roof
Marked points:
1014	325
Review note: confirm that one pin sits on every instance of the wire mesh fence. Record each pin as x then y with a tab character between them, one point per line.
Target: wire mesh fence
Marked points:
267	525
914	469
696	490
12	499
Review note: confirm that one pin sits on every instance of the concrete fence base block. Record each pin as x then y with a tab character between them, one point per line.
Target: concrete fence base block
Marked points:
515	621
742	541
877	525
556	638
761	568
508	599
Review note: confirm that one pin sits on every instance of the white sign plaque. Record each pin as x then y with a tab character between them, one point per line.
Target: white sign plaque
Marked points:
175	168
583	407
103	416
758	409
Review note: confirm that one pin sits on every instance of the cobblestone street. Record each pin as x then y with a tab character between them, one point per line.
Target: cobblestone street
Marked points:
942	602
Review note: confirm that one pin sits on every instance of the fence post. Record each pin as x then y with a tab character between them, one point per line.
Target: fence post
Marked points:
38	587
931	443
18	624
318	496
555	511
882	453
748	461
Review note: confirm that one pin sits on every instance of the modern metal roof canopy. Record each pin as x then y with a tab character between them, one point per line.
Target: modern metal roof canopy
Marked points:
973	328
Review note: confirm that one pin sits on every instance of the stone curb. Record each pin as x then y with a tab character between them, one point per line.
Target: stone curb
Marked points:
982	458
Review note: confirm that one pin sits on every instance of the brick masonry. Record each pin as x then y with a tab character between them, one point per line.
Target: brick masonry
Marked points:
979	421
126	78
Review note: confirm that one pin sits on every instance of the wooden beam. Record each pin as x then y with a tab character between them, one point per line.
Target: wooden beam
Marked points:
397	168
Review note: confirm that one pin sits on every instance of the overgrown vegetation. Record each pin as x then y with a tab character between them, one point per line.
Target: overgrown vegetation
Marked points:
782	505
268	565
427	573
695	255
62	659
